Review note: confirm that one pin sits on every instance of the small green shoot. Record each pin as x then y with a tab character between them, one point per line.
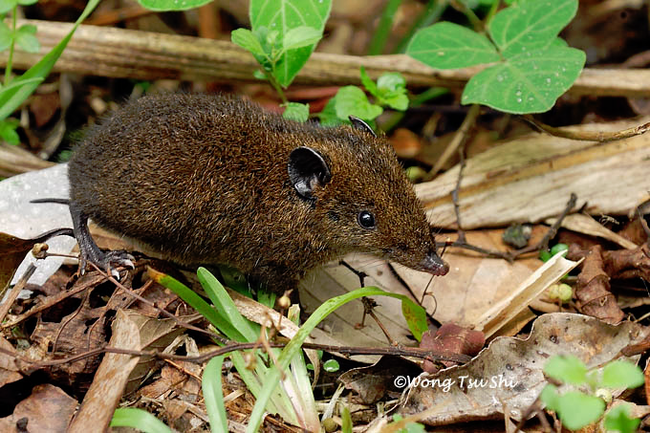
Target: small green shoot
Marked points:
577	409
532	66
331	366
389	90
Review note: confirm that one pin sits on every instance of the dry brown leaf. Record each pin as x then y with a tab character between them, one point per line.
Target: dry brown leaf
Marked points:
372	382
47	409
531	178
155	334
451	338
511	369
587	225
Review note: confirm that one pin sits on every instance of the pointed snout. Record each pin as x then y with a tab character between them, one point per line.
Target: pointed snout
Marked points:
433	264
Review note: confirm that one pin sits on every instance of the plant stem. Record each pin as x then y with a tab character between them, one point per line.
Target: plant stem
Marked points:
493	10
471	16
434	10
274	83
11	46
383	29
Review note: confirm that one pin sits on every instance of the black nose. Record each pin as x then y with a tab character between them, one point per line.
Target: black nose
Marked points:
433	264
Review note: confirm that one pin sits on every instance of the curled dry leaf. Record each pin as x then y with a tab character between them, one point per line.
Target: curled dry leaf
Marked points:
509	373
451	338
593	285
529	179
587	225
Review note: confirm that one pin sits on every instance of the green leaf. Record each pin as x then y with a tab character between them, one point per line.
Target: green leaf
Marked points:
398	102
331	366
450	46
8	131
248	41
392	91
368	83
225	306
300	37
10	99
27	2
5	36
622	374
199	304
7	5
26	39
391	82
416	317
328	116
296	111
172	5
528	83
618	419
213	394
352	101
577	410
138	419
567	369
549	397
282	16
530	25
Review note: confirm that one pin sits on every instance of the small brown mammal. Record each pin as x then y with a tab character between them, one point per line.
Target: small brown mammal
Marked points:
207	179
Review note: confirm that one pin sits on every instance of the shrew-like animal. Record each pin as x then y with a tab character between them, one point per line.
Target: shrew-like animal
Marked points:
205	179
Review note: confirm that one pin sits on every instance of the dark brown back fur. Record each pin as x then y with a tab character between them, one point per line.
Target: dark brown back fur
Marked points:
203	179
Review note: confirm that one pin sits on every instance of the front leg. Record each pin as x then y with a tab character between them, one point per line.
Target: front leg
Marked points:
90	252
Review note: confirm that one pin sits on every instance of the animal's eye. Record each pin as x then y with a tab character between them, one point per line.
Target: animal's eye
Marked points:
366	220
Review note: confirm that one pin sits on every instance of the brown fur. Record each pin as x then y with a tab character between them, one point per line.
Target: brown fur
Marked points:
203	179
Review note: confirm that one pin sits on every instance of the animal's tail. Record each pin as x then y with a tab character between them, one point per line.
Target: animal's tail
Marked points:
51	200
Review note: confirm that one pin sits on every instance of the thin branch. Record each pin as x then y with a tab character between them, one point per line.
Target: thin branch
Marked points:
599	136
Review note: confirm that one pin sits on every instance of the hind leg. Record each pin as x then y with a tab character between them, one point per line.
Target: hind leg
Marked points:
89	250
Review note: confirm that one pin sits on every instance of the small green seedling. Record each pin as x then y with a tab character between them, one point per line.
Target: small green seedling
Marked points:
577	409
529	67
283	36
388	91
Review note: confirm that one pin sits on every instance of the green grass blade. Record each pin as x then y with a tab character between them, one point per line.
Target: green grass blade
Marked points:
289	352
196	302
138	419
380	37
226	307
213	395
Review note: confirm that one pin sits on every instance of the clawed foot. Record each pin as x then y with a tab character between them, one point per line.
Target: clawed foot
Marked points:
108	261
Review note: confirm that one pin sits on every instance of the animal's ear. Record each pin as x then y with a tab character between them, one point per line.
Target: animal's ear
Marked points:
307	170
361	125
